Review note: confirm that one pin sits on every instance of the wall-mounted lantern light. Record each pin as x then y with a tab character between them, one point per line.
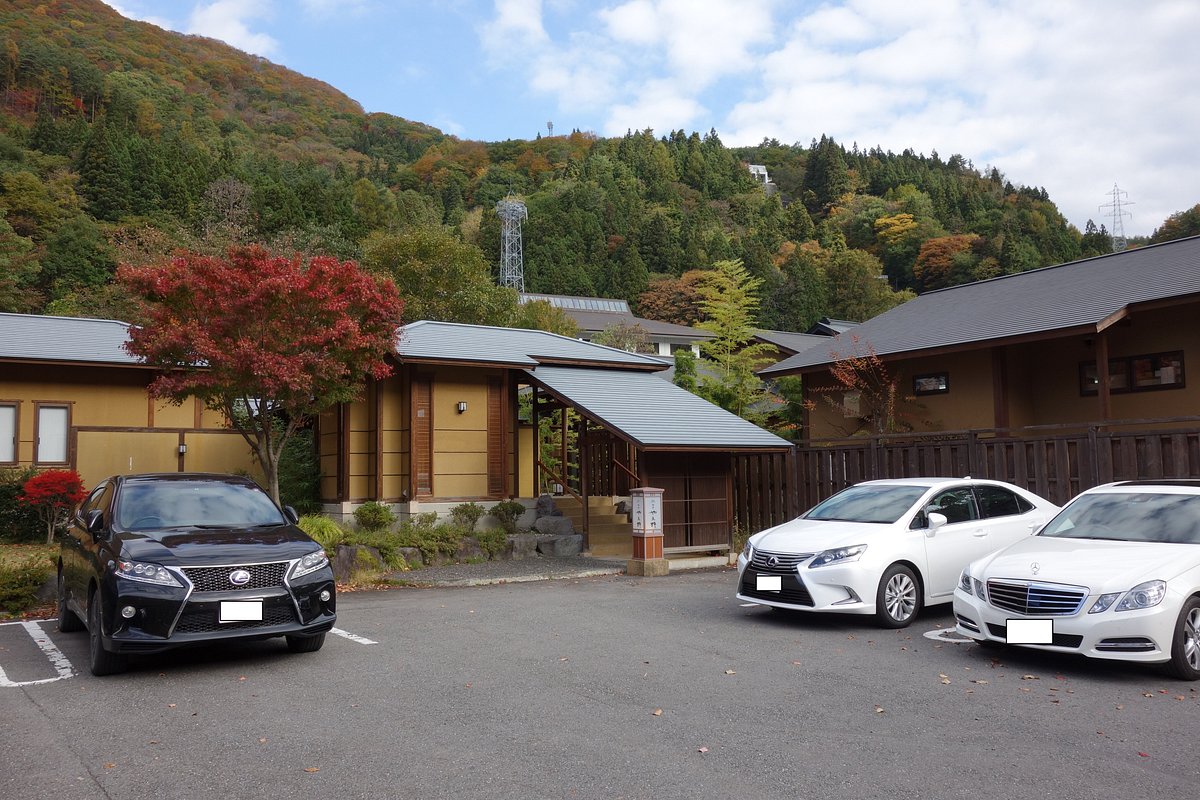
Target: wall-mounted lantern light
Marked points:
462	406
182	449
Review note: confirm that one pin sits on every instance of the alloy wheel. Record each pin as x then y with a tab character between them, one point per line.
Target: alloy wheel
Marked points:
900	597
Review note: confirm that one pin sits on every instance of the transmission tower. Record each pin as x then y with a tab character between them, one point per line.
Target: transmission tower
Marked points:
512	263
1118	217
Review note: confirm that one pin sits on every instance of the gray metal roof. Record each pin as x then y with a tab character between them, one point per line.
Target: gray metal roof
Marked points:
791	342
653	412
571	303
594	314
30	337
1073	295
516	347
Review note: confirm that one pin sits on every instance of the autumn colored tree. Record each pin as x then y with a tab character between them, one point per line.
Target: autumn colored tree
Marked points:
270	341
53	494
945	261
674	300
864	390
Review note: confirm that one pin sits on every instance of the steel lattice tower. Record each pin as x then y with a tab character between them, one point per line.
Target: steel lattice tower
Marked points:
512	262
1118	218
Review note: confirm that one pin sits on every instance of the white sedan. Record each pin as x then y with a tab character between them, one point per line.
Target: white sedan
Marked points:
886	547
1115	575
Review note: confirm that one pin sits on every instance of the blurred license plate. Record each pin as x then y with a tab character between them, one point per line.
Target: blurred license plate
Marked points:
241	611
1030	631
770	583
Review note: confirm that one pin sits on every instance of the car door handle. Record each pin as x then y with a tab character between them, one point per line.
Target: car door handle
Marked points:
979	534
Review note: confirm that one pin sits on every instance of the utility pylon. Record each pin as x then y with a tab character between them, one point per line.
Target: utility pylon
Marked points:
512	213
1118	215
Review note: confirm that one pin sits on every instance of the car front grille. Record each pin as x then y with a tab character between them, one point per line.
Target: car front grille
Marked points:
792	590
785	563
205	619
1036	599
216	579
1058	640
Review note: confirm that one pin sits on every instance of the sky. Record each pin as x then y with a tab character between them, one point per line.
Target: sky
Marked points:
1076	96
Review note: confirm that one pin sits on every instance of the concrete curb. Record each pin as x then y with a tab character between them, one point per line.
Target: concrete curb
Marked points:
461	582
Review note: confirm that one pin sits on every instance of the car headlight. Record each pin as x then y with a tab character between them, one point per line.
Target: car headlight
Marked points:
1144	595
748	551
310	563
838	555
146	573
1103	602
964	582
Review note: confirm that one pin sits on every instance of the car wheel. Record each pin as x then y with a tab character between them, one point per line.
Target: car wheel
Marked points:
305	644
899	597
68	620
100	660
1185	646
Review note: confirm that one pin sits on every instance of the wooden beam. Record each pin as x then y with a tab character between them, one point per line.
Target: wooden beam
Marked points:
1102	376
1000	387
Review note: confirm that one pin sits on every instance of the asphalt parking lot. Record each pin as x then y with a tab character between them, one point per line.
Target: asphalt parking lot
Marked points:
604	687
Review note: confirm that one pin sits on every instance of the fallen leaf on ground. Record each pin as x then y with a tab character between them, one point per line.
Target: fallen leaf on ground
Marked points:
262	741
1144	755
702	750
170	705
109	765
1120	706
980	682
730	672
312	769
878	709
1030	678
1147	694
658	712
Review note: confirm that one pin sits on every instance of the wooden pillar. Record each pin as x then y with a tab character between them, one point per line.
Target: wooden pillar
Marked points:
1102	376
343	480
514	423
999	388
537	443
377	414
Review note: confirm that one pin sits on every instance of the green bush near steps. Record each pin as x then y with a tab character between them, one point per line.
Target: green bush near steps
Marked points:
24	569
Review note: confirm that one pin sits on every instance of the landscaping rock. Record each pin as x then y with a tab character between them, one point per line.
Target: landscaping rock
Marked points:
560	546
412	556
353	558
526	520
554	526
545	506
523	545
469	550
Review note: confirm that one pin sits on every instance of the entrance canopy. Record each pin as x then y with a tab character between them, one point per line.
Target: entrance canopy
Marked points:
652	413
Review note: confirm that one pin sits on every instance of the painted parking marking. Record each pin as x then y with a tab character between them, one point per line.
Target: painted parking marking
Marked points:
352	636
947	635
60	663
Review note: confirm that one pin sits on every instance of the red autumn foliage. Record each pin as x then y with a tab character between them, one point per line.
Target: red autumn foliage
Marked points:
53	493
262	333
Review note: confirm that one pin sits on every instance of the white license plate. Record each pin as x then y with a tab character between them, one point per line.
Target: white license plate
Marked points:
770	583
1030	631
241	611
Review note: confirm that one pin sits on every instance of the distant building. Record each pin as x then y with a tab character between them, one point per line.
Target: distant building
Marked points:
596	314
759	172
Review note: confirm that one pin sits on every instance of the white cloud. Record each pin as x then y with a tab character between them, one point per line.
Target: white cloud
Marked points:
229	21
138	14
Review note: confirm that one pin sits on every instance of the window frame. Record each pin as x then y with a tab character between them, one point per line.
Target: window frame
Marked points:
38	406
15	405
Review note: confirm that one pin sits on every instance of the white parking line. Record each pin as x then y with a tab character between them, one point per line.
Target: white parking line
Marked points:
57	660
352	636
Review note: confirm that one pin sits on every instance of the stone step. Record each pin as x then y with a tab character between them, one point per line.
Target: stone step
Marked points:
596	532
611	551
568	501
598	518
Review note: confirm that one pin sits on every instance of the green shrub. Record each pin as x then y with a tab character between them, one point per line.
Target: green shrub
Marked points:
433	540
23	570
300	473
466	515
386	542
324	531
493	540
18	521
507	512
374	516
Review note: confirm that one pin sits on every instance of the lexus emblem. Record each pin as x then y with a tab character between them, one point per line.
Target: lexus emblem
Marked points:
772	562
239	577
1035	567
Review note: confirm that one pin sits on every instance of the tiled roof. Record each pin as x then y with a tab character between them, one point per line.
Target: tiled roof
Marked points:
29	337
450	342
1077	295
652	412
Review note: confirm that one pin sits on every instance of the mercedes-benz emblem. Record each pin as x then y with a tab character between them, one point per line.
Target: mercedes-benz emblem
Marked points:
773	561
1035	567
239	577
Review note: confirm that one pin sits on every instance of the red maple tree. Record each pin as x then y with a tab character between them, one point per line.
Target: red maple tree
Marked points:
52	494
268	340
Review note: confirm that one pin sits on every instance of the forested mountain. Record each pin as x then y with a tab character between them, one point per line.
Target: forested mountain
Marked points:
122	142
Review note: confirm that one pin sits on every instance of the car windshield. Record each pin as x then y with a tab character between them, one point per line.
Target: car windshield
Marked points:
880	503
1130	517
147	505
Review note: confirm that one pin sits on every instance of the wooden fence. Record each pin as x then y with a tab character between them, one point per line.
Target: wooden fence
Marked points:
1054	461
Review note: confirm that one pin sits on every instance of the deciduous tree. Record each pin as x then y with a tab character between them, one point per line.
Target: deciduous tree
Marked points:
263	338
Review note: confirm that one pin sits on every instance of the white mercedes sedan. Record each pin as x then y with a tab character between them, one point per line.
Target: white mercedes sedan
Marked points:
886	547
1115	575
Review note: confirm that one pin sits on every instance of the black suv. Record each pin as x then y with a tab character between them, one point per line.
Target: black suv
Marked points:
153	562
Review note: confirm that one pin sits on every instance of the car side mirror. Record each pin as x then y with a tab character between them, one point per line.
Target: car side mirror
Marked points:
291	514
936	520
95	523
